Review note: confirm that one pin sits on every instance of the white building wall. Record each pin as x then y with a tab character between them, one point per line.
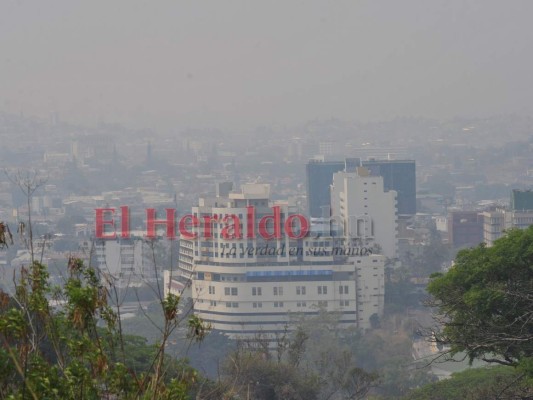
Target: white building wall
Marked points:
493	226
129	261
365	209
496	222
370	289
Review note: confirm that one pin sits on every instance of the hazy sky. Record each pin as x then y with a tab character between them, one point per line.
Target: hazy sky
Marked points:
239	64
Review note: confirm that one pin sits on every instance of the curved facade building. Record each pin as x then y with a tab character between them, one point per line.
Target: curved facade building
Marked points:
248	271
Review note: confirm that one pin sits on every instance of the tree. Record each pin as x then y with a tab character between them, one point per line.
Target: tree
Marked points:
476	384
266	368
65	342
253	374
375	322
28	182
485	302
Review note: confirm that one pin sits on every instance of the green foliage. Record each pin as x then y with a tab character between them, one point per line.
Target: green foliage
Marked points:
76	349
525	366
431	257
400	293
477	384
486	299
256	375
336	363
197	328
375	322
170	306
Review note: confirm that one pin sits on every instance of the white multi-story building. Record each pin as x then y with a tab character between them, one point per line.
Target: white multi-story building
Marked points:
127	262
245	284
365	210
496	222
518	215
493	225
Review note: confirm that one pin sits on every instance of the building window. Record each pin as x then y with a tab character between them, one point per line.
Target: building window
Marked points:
322	290
301	304
228	304
213	303
300	290
230	291
256	291
322	303
278	304
344	303
235	305
343	289
211	290
278	290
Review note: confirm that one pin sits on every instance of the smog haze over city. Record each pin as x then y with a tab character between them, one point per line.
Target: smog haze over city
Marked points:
239	65
266	199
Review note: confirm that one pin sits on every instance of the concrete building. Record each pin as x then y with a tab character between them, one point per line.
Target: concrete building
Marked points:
319	177
519	215
493	225
521	200
365	210
520	219
127	262
400	176
244	279
465	228
496	222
